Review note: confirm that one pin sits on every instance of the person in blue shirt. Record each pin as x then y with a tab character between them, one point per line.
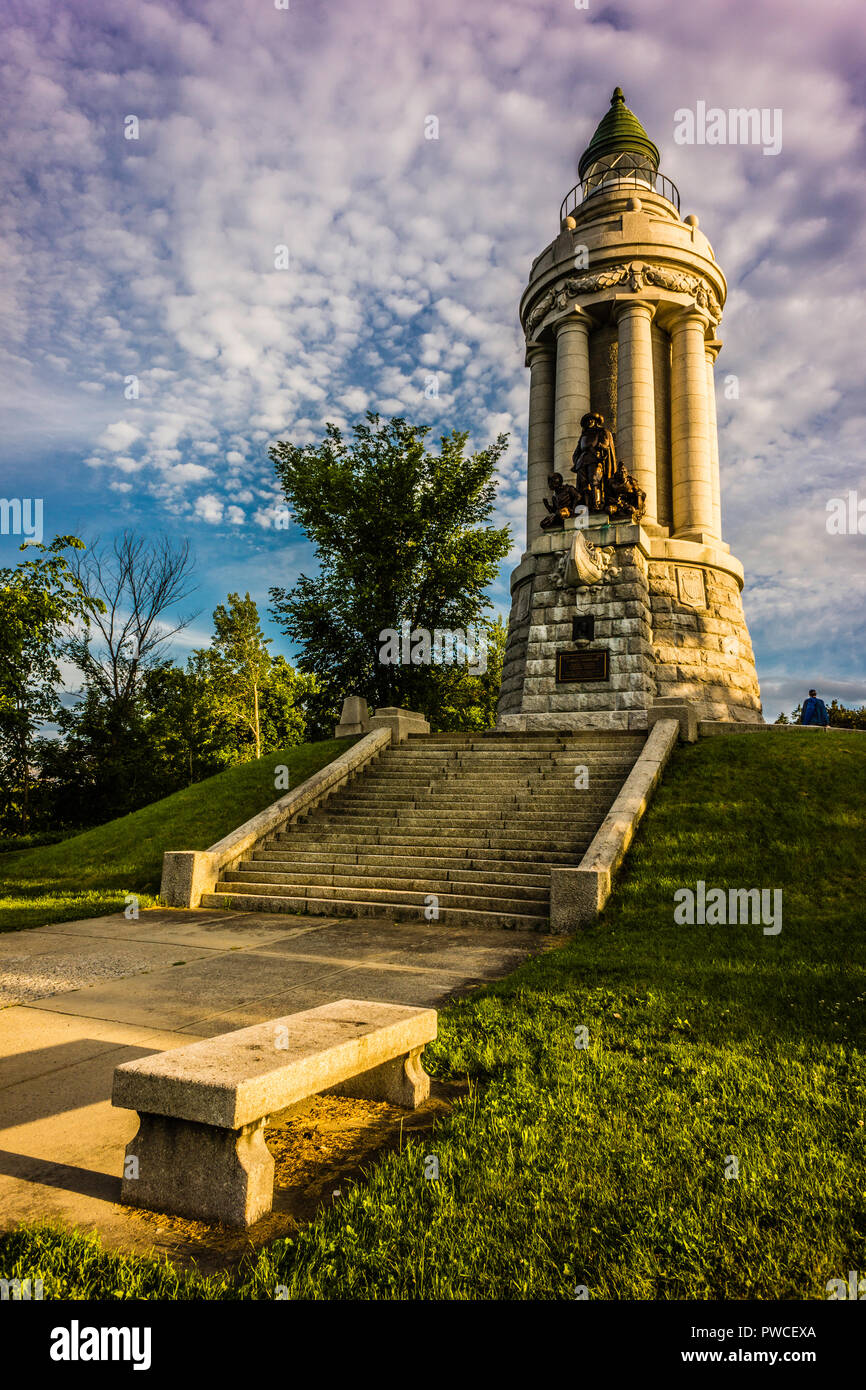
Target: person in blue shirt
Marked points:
814	711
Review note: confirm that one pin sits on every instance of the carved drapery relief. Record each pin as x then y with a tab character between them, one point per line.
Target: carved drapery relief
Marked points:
634	276
583	563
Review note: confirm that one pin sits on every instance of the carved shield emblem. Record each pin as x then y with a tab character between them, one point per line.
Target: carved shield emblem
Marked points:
690	586
521	600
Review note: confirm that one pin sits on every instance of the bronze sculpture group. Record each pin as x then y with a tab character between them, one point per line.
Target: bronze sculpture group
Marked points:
601	484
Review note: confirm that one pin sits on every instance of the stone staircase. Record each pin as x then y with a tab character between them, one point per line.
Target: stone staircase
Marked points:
466	824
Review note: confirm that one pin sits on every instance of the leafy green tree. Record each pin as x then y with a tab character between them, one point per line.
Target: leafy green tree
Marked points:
177	726
237	665
846	717
109	762
256	701
39	601
282	706
462	700
401	534
100	766
187	740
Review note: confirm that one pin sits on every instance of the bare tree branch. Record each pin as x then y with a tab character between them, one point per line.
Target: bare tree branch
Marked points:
140	583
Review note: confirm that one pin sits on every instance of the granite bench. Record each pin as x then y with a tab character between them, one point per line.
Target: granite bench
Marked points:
200	1150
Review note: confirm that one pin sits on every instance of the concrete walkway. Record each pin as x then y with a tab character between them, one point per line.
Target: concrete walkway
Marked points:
81	997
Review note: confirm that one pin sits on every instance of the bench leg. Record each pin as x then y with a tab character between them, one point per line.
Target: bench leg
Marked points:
402	1081
199	1171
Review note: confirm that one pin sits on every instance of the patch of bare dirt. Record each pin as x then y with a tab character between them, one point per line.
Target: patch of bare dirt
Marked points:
319	1147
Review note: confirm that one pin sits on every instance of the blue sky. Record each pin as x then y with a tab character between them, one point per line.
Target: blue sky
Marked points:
305	128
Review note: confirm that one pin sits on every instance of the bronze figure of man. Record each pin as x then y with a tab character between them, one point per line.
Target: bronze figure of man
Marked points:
565	499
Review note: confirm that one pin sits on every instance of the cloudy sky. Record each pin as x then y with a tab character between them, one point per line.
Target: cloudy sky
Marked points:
304	127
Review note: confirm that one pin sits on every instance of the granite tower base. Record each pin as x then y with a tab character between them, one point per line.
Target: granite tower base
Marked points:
664	622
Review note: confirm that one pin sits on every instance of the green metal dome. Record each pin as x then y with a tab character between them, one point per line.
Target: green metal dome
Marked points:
618	132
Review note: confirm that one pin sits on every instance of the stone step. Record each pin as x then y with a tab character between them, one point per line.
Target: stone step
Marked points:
530	771
553	791
395	760
435	836
475	839
516	773
496	762
551	804
564	793
519	757
453	853
408	897
558	784
267	861
455	788
529	766
538	777
565	796
599	738
395	912
423	826
561	785
405	753
540	739
493	742
428	822
453	795
435	831
474	885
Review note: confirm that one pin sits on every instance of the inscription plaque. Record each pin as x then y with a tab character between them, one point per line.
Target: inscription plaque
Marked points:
592	665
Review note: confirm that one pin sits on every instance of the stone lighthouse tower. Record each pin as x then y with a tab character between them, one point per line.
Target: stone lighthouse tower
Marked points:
627	595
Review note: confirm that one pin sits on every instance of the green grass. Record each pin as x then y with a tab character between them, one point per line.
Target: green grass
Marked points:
92	873
605	1167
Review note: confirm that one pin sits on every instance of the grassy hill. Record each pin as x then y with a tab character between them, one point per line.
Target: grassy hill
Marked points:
608	1167
91	873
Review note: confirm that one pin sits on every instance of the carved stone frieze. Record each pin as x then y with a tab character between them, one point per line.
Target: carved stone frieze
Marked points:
634	276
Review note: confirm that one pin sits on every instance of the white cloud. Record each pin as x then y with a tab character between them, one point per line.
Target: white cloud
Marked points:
186	473
209	508
119	436
408	255
355	400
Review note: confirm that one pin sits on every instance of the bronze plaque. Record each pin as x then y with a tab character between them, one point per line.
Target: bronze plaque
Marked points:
592	665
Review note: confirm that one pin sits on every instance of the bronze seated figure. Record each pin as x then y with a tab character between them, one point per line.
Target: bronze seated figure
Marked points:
625	498
565	499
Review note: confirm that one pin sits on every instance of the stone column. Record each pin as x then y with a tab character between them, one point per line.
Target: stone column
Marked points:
541	360
635	418
712	350
690	431
662	383
572	389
